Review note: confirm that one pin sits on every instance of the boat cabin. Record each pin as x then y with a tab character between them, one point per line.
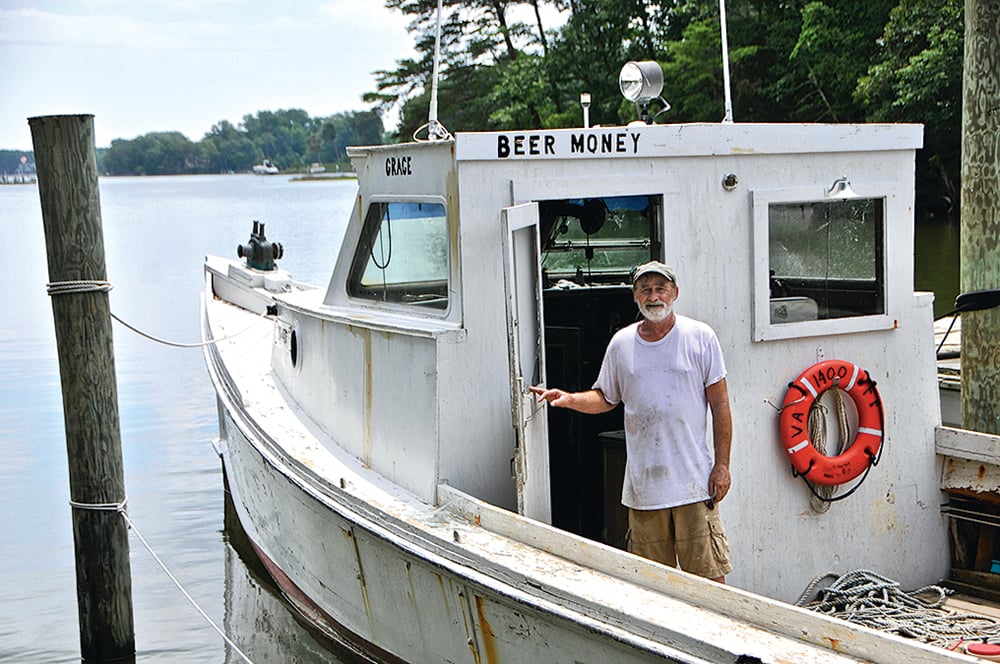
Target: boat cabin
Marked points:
477	266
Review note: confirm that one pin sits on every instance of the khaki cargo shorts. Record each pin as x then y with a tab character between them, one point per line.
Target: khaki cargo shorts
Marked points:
691	535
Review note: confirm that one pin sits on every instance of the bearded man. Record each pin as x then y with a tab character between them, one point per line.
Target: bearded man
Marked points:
668	371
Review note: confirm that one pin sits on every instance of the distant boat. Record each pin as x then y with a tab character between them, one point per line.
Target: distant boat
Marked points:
265	168
316	168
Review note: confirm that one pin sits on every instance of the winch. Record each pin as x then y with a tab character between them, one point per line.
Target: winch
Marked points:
260	253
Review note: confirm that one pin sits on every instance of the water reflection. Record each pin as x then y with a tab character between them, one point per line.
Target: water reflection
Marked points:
257	618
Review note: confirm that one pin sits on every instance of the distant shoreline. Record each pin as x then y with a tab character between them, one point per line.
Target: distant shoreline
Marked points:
291	176
324	176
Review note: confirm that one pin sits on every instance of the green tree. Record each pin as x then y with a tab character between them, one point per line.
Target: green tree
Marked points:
228	148
279	135
693	74
479	43
836	44
592	46
917	77
158	153
343	129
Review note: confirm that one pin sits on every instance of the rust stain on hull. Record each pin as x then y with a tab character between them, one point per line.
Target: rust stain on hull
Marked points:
486	631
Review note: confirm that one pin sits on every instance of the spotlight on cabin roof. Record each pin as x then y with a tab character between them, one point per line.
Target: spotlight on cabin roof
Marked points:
641	81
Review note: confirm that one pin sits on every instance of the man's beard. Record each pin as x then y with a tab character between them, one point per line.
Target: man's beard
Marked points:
656	314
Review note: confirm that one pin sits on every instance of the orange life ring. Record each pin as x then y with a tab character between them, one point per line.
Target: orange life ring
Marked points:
802	393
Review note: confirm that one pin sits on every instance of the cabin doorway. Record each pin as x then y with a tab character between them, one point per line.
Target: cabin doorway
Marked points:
587	248
523	288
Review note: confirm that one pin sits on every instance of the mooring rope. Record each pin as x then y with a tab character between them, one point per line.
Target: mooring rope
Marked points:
121	509
199	344
85	286
872	600
100	507
81	286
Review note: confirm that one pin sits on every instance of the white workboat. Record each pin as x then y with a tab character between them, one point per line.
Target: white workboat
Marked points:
413	500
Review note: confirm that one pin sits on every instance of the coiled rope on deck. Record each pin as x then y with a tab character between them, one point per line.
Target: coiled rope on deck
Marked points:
91	286
869	599
120	508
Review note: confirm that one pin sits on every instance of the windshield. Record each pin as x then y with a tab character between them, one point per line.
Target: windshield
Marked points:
403	255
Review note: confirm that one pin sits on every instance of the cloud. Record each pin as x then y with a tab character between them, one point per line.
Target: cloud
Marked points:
184	64
92	30
365	14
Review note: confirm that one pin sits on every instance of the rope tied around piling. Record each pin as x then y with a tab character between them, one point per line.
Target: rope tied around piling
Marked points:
78	286
95	286
100	507
869	599
120	508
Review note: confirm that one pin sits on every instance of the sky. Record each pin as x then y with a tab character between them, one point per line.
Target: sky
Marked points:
142	66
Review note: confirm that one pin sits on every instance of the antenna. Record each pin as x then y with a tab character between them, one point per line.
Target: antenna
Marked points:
725	62
435	130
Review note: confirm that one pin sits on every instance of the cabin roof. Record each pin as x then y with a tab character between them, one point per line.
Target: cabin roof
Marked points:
672	140
682	140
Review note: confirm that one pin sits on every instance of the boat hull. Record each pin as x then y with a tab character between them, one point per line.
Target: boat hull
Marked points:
387	602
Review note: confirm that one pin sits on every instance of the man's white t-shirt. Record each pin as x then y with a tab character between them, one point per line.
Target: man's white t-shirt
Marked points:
662	384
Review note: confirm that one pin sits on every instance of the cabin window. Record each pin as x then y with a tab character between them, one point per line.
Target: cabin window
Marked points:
830	253
403	255
597	240
825	266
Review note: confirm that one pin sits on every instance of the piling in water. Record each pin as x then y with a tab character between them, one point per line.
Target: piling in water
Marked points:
67	185
981	213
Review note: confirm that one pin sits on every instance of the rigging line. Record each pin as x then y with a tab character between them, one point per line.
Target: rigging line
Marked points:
92	286
177	583
199	344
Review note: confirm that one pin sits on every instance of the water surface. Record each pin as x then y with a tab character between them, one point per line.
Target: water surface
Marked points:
157	231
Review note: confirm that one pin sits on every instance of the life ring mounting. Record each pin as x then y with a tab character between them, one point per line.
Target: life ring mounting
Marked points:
803	392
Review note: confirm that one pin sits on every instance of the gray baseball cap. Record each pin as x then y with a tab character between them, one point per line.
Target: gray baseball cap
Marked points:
653	267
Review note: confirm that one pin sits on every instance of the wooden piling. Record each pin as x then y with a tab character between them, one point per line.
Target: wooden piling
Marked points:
66	161
980	226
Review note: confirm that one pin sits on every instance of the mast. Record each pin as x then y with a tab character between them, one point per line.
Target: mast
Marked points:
435	130
725	61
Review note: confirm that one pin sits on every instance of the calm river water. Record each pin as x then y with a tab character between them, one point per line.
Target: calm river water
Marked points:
157	231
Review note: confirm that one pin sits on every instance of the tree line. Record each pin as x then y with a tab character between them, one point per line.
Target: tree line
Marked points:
791	61
291	139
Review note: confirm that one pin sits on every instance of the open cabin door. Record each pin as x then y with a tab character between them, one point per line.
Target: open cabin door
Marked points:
523	287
